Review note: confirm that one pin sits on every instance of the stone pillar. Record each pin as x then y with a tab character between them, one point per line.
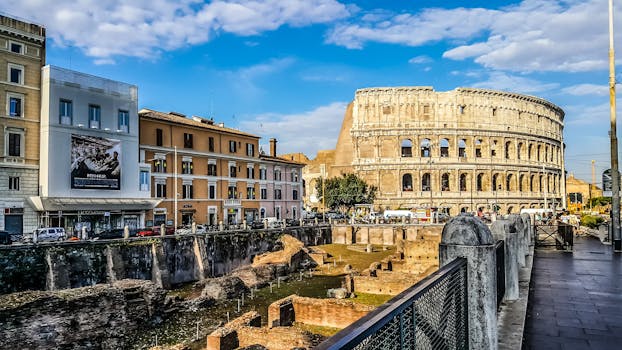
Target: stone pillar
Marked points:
506	231
126	232
194	228
159	271
221	226
162	230
523	245
527	220
468	237
83	236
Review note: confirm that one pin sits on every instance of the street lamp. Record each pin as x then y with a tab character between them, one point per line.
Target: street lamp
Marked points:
323	171
175	189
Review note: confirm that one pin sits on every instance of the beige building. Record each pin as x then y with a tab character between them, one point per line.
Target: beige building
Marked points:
460	151
22	54
580	192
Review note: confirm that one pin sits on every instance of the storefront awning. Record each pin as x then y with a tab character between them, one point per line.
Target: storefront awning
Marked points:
107	204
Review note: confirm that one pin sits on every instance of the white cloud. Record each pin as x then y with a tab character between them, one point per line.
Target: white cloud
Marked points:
587	89
305	132
104	29
535	35
422	59
513	83
244	80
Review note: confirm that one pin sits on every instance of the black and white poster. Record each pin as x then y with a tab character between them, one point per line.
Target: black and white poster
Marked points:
95	163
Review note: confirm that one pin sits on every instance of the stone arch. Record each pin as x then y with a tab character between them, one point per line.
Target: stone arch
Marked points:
522	182
445	183
519	150
407	148
507	149
510	209
479	182
478	148
538	152
529	150
497	182
531	182
462	145
426	182
426	147
463	182
444	147
509	183
493	149
407	182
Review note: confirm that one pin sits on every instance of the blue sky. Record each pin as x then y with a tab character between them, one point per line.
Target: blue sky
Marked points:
287	69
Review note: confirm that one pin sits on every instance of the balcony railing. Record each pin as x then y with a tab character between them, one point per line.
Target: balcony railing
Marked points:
233	202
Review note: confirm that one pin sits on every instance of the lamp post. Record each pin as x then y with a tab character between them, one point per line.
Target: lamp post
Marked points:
615	190
430	186
323	171
175	190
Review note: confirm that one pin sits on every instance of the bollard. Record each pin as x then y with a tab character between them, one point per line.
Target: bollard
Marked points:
468	237
242	299
83	233
270	287
238	305
252	296
197	336
194	228
506	231
162	230
221	226
228	320
315	221
278	282
301	222
523	245
301	273
244	226
126	232
527	221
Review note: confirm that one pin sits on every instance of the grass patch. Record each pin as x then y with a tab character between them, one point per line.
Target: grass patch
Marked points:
321	330
371	299
340	256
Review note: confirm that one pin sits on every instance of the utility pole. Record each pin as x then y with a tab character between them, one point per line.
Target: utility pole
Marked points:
175	190
615	173
592	184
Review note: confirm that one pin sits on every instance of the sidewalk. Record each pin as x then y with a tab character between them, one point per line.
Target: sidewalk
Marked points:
575	299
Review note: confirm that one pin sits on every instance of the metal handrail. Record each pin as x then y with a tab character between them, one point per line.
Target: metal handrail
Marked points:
375	320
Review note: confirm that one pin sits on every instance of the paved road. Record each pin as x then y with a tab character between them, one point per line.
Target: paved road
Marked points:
575	299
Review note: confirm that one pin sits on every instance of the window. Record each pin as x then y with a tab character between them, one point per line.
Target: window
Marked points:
212	191
493	149
232	192
277	174
250	150
462	148
262	213
445	182
187	140
494	112
461	109
13	183
233	147
159	138
295	176
186	167
425	148
295	195
264	193
444	148
233	171
144	180
478	148
186	191
463	182
15	103
16	47
94	117
159	165
426	182
250	192
250	172
507	149
160	190
407	182
15	148
407	148
65	112
277	193
263	174
124	121
211	169
16	74
479	182
210	144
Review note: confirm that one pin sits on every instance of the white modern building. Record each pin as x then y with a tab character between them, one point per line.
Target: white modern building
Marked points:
89	171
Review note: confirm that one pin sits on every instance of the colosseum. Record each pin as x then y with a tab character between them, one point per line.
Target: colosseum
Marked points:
459	151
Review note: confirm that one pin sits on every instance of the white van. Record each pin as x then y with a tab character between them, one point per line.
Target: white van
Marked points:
272	222
50	234
398	214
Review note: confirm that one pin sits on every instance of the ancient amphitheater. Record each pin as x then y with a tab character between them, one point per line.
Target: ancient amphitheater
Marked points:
460	150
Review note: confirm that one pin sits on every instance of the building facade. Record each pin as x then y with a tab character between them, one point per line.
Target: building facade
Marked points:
89	175
280	186
580	193
22	54
460	151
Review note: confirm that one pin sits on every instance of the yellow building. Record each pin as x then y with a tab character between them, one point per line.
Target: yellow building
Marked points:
580	192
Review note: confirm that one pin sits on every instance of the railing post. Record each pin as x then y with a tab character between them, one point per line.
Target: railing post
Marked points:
468	237
506	231
523	244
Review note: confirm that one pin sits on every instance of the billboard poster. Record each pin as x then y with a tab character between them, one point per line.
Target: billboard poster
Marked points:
95	163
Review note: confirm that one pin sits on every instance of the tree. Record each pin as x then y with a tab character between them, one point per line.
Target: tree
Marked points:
344	192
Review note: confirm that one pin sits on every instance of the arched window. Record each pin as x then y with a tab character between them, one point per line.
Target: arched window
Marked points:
510	209
507	149
508	183
529	150
425	148
531	183
478	148
495	182
262	213
541	183
445	182
426	182
444	148
479	182
546	153
519	149
407	148
407	182
520	183
539	150
463	182
294	214
462	148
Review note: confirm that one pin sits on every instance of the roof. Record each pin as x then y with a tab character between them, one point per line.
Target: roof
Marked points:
280	160
177	118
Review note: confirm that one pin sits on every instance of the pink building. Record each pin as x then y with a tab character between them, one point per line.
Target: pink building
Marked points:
280	186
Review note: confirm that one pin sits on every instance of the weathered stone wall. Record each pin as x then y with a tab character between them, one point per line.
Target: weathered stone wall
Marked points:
337	313
99	317
385	283
381	234
165	260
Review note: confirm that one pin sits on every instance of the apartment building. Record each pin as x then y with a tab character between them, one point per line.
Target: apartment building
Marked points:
214	170
22	54
89	175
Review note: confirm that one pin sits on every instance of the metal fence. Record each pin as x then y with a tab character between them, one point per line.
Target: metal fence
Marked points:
500	254
432	314
558	235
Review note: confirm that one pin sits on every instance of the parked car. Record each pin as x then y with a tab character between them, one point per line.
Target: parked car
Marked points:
5	238
115	233
145	232
257	224
50	234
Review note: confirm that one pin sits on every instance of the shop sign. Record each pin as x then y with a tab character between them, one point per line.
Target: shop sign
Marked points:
91	212
159	210
187	205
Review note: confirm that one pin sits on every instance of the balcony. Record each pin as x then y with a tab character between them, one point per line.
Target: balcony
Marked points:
233	203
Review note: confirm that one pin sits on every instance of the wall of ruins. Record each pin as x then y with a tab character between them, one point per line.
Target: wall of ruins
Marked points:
381	234
165	260
462	150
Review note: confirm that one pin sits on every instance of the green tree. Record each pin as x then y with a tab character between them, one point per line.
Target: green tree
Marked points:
342	193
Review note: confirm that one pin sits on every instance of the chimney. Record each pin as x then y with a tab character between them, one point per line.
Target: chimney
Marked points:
273	147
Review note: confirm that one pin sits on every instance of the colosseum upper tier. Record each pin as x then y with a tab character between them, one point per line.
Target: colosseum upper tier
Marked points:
461	150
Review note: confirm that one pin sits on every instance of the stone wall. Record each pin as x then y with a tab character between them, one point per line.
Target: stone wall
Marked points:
384	283
165	260
99	317
381	234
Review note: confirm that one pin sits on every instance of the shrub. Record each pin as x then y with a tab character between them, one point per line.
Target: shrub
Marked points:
591	221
